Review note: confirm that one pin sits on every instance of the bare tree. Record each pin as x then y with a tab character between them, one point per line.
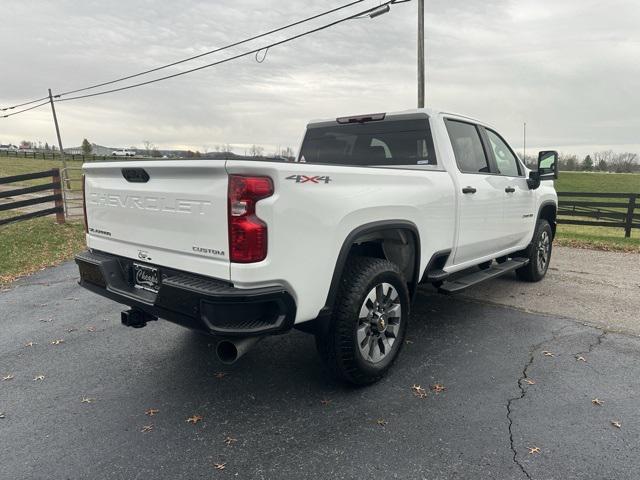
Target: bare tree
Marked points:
602	160
148	147
256	151
623	162
568	162
288	153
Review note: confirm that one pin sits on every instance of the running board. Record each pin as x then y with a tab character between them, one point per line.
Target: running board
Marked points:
496	270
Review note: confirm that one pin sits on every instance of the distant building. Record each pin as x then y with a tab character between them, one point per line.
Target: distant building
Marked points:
96	149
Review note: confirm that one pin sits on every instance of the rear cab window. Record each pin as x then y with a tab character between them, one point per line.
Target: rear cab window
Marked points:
467	147
400	142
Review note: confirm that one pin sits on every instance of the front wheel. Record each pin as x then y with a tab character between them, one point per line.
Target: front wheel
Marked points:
538	253
368	326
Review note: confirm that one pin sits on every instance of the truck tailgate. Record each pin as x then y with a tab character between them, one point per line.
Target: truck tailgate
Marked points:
177	218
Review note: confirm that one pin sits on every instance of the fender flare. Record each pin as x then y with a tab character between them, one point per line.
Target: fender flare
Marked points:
346	248
544	204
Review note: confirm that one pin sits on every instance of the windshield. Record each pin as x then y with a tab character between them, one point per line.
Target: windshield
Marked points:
391	142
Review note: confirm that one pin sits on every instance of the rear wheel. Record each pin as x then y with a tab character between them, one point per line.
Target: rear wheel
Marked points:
368	326
538	253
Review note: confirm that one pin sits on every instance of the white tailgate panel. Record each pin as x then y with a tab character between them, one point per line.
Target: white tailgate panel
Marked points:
178	218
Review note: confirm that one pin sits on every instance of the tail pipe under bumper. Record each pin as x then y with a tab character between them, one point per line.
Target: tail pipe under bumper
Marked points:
229	350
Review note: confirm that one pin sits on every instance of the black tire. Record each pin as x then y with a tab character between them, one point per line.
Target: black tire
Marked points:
338	346
541	246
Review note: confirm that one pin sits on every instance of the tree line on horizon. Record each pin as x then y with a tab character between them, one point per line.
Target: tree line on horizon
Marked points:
603	161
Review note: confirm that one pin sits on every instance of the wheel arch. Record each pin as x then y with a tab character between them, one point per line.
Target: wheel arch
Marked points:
549	211
368	235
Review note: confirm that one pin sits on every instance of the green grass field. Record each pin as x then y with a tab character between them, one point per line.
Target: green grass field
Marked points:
32	245
598	182
601	238
10	166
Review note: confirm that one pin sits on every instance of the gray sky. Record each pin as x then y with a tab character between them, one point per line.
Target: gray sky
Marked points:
569	68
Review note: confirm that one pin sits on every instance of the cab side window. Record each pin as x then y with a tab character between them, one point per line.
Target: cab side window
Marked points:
505	159
467	147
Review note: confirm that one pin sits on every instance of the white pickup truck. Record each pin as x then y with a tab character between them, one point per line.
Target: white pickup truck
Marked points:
335	243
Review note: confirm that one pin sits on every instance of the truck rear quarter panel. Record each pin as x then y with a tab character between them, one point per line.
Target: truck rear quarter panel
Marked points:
309	220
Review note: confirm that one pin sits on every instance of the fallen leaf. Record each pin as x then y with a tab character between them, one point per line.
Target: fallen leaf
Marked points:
57	342
616	424
597	402
46	320
8	377
230	440
219	375
381	422
581	358
151	412
91	329
219	466
418	391
194	419
39	377
533	450
30	344
88	400
147	428
548	354
2	415
325	402
438	387
528	381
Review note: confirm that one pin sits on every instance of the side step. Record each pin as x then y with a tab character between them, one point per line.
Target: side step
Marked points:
496	270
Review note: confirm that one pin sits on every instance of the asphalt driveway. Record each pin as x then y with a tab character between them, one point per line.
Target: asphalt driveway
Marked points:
513	381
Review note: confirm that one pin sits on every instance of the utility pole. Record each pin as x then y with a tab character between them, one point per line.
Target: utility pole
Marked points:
55	121
524	147
65	173
421	81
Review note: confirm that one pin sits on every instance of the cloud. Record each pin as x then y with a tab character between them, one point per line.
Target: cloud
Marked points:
569	69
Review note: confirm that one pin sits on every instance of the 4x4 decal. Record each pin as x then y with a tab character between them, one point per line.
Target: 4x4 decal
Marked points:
305	179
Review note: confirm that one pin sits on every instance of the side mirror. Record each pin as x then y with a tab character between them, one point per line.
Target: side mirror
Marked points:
547	169
548	165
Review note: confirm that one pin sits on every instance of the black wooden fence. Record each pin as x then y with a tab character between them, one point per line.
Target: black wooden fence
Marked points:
55	197
56	156
608	210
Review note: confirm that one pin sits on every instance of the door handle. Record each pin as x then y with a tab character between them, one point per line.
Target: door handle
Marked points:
510	190
469	190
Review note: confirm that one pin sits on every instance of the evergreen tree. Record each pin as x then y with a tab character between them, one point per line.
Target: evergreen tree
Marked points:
587	163
87	148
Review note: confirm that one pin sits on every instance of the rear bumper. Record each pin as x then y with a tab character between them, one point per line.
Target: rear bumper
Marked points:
193	301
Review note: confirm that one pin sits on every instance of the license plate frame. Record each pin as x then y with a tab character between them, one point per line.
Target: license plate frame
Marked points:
146	277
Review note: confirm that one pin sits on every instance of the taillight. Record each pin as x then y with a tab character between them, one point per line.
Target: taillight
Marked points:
84	204
247	233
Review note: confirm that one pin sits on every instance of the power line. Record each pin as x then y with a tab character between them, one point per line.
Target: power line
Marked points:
210	52
184	60
235	57
23	104
372	12
26	109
